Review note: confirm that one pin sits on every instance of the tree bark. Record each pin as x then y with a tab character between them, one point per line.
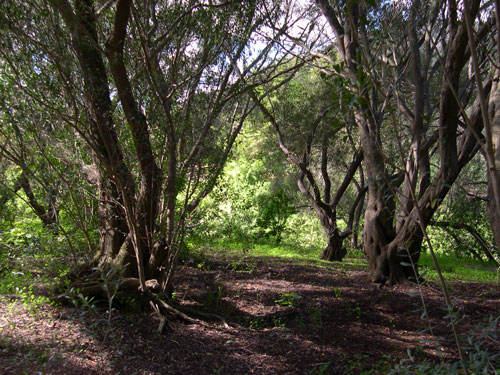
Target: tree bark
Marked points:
48	215
388	243
493	209
355	213
493	144
334	250
115	183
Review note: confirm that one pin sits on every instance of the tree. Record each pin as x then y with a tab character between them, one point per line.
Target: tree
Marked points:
42	166
308	132
490	110
431	57
152	94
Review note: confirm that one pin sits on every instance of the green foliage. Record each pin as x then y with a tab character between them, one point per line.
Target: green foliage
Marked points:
274	210
22	285
255	323
463	208
12	281
304	231
269	249
254	198
320	368
22	234
288	299
34	257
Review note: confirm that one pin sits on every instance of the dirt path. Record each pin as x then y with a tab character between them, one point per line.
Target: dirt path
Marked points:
299	320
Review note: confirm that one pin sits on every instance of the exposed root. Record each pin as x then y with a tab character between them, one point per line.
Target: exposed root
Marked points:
90	282
173	311
182	313
212	316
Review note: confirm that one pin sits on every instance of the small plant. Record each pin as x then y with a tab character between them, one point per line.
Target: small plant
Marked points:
320	368
110	286
214	296
353	311
288	299
219	296
10	283
82	303
242	265
31	301
255	323
278	323
316	319
337	292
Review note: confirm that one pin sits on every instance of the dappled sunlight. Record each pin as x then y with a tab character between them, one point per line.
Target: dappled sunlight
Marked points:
49	340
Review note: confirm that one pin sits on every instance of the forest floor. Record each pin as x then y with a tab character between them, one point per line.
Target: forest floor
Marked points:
294	318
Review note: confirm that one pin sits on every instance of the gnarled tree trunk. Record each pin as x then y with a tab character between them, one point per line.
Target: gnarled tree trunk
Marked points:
493	209
391	243
335	250
161	146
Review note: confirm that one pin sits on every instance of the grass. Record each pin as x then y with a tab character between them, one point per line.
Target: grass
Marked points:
459	269
262	249
453	268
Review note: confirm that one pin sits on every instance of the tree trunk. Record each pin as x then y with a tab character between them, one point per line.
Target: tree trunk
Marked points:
377	234
493	209
356	212
114	243
115	182
334	250
493	213
47	216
